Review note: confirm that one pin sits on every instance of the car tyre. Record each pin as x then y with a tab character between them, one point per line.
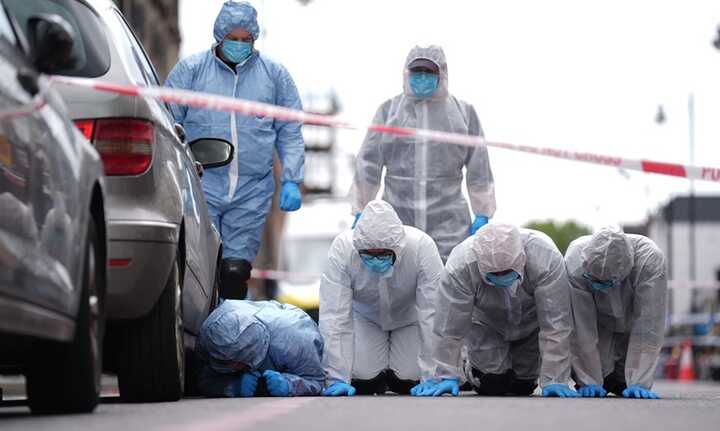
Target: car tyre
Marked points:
66	378
151	364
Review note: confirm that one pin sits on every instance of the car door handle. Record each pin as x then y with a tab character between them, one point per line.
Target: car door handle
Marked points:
28	80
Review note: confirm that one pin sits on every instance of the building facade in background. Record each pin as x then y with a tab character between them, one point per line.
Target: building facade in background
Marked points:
691	259
320	146
671	231
156	24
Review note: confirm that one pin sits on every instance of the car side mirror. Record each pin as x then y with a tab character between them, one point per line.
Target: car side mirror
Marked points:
211	152
51	43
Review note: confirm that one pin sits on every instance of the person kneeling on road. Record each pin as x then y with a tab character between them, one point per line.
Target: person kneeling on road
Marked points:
259	348
618	290
505	293
377	303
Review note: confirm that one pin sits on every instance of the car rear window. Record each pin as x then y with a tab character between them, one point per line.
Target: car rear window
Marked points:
91	46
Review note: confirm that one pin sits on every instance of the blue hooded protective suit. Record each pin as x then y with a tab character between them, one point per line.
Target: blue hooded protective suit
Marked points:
264	335
239	195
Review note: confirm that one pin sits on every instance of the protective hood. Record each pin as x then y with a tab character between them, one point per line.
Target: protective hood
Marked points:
379	227
236	14
231	334
499	247
436	55
608	255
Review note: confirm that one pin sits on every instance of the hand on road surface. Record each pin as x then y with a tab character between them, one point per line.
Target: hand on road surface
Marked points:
277	384
558	390
339	389
592	391
637	391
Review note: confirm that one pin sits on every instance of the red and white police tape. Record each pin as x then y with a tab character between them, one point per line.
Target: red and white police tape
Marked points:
247	107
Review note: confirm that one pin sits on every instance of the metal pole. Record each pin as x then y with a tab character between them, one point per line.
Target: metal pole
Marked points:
694	306
691	203
671	261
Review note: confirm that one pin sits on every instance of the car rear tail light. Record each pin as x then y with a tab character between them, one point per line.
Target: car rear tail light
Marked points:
119	263
86	128
125	145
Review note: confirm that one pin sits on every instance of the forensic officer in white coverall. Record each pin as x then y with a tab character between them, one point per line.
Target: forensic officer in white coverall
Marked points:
619	294
504	293
423	179
377	304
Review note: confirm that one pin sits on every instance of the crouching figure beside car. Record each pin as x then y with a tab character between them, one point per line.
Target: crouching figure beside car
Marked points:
259	348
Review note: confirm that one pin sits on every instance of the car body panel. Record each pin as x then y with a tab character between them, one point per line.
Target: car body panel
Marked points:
150	263
24	318
48	174
148	214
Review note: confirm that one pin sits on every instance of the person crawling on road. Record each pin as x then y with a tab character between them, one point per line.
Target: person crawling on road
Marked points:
262	348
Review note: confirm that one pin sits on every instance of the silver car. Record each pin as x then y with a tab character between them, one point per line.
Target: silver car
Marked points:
163	249
52	226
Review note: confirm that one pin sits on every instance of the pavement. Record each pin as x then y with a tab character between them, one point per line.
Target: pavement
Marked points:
686	407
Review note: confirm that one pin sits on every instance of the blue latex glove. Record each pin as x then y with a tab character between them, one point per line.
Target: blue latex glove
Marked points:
637	391
339	389
426	387
357	217
277	384
480	221
558	390
446	386
290	197
592	391
245	386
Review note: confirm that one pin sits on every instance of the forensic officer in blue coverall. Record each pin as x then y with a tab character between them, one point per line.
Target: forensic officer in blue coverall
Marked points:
239	195
255	348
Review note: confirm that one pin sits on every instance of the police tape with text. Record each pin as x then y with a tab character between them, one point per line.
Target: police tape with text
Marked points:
247	107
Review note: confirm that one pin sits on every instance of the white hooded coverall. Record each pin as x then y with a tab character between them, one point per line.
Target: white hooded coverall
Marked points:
424	179
373	322
525	328
619	330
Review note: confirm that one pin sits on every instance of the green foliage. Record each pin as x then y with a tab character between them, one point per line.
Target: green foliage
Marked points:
562	233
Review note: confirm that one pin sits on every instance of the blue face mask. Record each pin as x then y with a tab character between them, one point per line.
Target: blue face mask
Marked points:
378	264
503	281
236	51
598	284
423	84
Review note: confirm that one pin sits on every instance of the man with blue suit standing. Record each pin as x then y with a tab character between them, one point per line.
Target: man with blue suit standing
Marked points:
239	195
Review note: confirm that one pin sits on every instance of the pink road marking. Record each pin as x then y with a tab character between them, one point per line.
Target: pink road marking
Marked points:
246	418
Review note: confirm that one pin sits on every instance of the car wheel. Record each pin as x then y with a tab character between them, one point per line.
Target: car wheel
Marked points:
66	378
151	365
